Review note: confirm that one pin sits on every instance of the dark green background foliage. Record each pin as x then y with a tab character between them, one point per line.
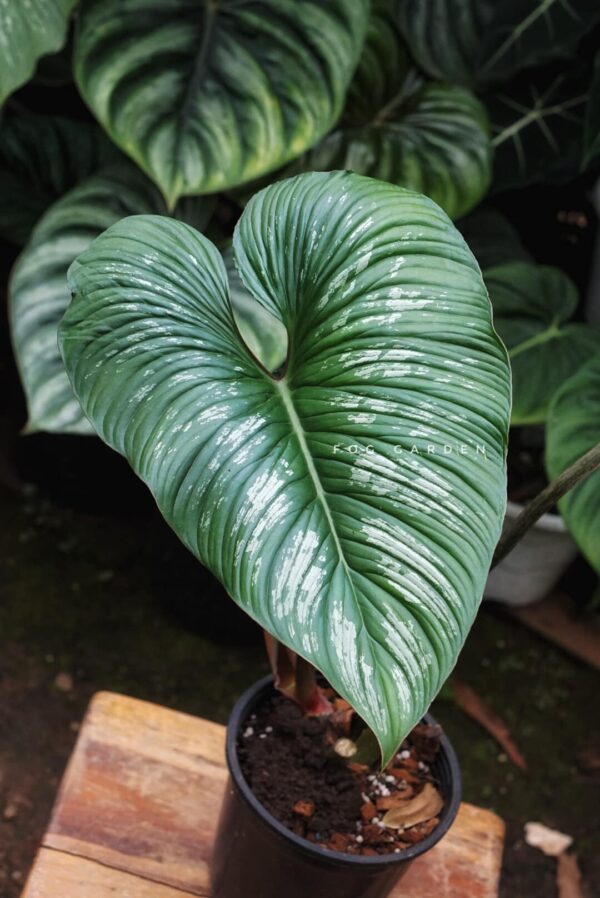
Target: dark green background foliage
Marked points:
225	113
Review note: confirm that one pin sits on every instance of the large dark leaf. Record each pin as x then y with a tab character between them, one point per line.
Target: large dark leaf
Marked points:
386	76
444	36
492	238
537	128
41	158
29	29
205	96
591	130
437	144
302	493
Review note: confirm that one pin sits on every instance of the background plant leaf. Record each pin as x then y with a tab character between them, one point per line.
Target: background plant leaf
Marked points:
437	144
208	96
532	307
41	158
29	30
369	564
523	33
591	129
537	127
38	293
573	427
444	35
481	41
492	238
385	74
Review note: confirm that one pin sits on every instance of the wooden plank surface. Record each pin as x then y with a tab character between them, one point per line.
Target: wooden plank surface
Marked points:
139	804
60	875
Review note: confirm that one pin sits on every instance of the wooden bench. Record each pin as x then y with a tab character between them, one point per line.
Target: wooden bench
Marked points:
137	811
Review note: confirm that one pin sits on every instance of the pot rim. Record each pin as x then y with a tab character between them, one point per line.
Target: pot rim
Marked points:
549	521
245	704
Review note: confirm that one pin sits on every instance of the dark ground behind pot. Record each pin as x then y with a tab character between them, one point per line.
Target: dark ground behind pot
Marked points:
257	856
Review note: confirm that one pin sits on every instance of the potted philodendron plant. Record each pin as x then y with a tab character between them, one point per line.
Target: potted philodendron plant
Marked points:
349	500
533	307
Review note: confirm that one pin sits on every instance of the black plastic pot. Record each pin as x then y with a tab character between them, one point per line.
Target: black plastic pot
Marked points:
255	856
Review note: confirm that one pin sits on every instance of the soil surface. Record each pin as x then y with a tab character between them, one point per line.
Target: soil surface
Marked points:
292	765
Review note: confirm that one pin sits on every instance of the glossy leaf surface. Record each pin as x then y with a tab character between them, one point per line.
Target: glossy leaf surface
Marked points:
315	498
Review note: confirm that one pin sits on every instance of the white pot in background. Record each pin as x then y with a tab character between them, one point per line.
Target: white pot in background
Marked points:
536	563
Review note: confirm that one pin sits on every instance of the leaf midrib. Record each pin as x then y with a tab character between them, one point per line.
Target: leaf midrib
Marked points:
199	69
552	332
283	389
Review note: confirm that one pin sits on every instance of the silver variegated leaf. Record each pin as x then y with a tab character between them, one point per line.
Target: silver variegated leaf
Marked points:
38	292
352	503
206	96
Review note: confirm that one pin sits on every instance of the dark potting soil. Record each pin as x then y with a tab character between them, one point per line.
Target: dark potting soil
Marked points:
290	763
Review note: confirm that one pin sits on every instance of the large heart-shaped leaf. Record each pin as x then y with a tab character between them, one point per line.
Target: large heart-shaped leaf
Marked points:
478	41
573	428
38	293
41	158
207	95
532	307
324	500
437	143
28	30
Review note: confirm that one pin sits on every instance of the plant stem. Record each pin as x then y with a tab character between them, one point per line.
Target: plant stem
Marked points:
544	501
